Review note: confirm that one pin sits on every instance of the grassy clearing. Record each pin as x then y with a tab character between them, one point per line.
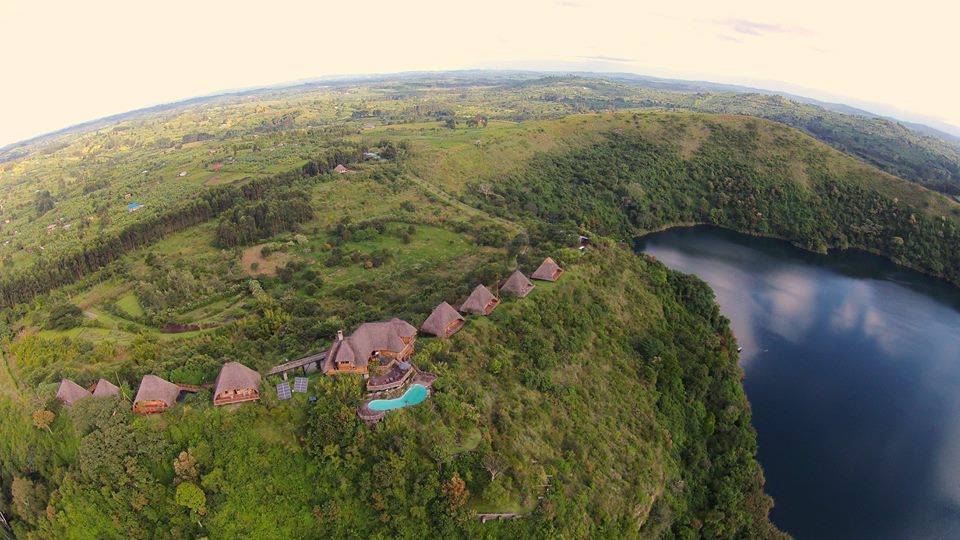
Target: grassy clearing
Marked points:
253	263
427	245
129	304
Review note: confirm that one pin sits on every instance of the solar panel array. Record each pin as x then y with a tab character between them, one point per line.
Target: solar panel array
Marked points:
300	384
283	391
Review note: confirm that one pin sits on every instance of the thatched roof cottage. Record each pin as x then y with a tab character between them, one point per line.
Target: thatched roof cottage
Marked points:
155	395
444	321
517	284
548	270
236	383
392	340
69	392
480	301
105	388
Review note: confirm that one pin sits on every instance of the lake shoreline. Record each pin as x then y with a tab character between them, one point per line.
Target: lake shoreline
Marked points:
830	249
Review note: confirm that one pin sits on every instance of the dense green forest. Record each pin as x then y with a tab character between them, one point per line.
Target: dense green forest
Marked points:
606	405
572	367
631	183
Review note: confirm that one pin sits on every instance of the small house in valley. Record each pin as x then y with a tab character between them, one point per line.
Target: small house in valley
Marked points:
70	392
443	322
548	270
155	395
481	301
383	342
236	383
105	388
517	284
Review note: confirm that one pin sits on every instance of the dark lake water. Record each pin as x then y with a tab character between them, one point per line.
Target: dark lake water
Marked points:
853	372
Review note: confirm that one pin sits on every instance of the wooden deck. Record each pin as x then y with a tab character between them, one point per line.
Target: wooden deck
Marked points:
370	416
393	379
226	400
491	305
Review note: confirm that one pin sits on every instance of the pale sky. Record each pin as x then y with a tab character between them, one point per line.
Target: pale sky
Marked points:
67	62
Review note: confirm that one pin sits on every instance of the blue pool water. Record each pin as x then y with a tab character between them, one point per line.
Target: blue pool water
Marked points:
416	394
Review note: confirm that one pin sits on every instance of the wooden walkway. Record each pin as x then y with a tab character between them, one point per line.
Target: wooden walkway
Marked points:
498	516
301	363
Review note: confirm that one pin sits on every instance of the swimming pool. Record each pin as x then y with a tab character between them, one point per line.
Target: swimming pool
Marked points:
416	394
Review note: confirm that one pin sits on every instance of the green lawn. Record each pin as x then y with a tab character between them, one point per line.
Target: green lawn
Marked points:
129	304
427	244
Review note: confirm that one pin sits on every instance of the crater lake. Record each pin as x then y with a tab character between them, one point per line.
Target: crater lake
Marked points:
852	369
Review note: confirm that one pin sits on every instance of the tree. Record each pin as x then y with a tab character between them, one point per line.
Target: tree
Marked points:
191	496
450	123
43	202
185	467
42	418
29	499
64	316
494	465
457	494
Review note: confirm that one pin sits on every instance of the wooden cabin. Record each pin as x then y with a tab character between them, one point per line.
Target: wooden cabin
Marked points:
517	284
105	388
481	301
444	321
155	395
70	392
548	270
387	342
236	383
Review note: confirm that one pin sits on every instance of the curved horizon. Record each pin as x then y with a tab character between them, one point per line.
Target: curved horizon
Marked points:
105	57
799	94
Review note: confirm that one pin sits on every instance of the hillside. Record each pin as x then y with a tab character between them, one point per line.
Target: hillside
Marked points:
69	187
607	404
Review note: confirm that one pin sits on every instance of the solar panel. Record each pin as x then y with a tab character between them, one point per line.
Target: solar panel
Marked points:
300	384
283	391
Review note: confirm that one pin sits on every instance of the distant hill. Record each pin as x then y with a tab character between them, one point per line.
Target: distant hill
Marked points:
914	151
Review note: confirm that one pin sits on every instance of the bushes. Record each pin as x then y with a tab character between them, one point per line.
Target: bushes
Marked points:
64	316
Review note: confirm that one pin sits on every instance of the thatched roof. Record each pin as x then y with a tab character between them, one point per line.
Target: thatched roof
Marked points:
548	270
236	376
478	300
439	319
517	284
391	336
105	389
153	388
69	392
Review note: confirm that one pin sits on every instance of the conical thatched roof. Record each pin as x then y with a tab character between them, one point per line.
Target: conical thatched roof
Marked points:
517	284
153	388
69	392
392	335
478	300
440	319
548	270
105	389
236	376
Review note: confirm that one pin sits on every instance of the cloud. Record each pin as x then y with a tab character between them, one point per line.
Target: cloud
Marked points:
567	3
602	58
724	37
756	28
